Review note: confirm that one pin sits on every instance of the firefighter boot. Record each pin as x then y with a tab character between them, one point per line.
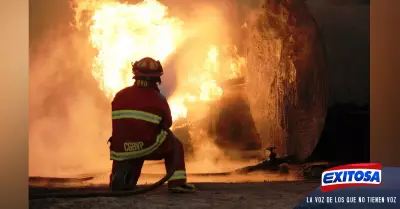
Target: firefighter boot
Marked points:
184	188
121	177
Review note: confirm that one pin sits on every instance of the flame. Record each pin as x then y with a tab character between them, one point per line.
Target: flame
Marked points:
205	78
200	86
123	33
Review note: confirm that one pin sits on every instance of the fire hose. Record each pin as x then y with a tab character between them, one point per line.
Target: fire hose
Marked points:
265	165
86	194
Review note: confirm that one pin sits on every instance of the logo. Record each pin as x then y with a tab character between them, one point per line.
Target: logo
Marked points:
364	174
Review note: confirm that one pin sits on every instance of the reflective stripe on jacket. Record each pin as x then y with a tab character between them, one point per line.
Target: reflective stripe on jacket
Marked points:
136	114
139	118
120	156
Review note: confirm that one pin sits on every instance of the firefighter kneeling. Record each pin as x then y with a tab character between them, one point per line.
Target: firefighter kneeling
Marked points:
141	121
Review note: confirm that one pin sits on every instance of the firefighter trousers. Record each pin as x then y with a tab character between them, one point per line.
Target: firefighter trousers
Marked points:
165	151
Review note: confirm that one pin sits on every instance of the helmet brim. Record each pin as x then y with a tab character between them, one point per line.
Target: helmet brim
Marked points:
139	74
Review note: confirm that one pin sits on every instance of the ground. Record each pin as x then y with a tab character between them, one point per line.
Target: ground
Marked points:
210	195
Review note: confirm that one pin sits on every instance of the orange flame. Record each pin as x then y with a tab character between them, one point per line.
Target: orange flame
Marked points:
123	33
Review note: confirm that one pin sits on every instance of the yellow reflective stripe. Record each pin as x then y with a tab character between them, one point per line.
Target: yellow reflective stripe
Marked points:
136	114
179	174
120	156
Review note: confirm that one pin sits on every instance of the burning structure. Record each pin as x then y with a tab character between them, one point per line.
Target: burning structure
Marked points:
276	52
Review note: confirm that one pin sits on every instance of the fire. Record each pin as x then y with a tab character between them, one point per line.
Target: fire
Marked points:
201	85
202	82
122	33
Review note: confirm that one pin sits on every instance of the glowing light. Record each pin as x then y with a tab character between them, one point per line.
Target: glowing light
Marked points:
123	33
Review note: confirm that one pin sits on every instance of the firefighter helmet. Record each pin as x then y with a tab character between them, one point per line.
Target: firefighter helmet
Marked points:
147	68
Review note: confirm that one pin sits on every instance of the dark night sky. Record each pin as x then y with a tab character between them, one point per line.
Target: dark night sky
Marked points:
345	28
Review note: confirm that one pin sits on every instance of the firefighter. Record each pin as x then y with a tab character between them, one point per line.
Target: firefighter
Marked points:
141	121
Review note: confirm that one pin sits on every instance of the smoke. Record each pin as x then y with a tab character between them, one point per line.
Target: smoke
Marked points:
68	123
209	24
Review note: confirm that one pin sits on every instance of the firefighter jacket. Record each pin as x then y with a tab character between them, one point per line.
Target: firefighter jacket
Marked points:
140	118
